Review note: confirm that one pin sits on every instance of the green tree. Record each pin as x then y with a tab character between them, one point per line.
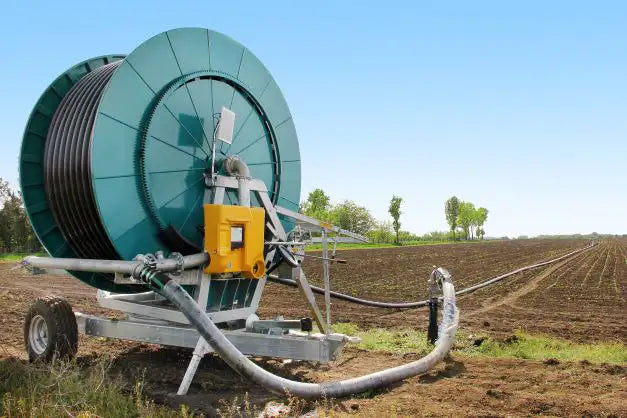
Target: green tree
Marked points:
406	236
466	217
436	236
395	212
451	210
317	205
382	233
348	215
16	234
481	216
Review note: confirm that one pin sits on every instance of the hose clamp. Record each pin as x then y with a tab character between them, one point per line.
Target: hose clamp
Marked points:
145	262
148	260
179	263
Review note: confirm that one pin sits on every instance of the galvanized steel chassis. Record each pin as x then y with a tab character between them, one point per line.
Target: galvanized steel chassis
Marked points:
150	319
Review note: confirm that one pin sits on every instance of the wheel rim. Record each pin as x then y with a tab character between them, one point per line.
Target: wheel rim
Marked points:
38	334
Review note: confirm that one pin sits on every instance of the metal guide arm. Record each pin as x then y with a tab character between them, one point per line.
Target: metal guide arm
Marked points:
313	224
306	222
296	272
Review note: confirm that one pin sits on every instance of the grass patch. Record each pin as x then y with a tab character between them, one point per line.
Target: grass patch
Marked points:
540	347
520	345
12	256
16	256
67	389
391	341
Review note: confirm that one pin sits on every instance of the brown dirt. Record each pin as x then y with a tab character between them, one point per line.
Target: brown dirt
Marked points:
579	300
570	310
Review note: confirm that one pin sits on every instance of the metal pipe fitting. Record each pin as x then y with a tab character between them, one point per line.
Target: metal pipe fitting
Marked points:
236	167
130	268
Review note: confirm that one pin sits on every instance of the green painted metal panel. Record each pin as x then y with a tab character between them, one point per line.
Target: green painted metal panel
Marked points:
225	54
191	49
287	142
253	74
290	184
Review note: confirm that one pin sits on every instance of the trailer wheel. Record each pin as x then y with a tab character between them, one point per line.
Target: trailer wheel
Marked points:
50	330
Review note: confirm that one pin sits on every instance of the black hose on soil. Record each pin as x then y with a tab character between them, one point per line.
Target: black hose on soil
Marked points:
423	303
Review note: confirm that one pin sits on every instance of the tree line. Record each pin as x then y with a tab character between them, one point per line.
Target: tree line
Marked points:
464	219
16	233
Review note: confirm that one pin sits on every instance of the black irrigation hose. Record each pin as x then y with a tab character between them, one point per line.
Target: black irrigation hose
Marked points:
67	167
423	303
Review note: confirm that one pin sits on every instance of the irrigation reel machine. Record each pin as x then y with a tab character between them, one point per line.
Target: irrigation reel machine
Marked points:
169	179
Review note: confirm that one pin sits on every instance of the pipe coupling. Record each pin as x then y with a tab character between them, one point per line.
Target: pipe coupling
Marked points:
236	167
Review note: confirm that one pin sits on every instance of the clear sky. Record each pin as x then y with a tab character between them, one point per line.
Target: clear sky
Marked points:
521	108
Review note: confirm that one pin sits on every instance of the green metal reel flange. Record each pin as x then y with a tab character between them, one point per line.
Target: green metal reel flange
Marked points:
151	142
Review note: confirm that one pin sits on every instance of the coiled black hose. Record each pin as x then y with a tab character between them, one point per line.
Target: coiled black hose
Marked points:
67	166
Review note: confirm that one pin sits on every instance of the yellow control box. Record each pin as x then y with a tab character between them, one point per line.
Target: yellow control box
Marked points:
234	239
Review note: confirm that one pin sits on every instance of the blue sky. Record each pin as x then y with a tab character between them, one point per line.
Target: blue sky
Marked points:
521	108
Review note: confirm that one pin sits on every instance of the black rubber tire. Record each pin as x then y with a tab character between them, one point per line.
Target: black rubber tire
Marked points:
62	329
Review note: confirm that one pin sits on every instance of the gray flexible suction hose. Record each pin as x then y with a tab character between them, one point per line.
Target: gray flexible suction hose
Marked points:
240	363
422	303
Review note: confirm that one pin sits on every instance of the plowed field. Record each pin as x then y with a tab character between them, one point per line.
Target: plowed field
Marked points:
581	299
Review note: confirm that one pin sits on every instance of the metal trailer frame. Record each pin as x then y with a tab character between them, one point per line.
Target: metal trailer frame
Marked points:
151	319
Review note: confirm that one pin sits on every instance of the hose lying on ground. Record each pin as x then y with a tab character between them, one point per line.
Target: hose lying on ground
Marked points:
240	363
423	303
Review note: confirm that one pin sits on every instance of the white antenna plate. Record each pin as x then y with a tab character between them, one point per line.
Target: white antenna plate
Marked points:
226	125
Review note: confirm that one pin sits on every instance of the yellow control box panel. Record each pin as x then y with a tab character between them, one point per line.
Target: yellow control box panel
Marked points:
234	239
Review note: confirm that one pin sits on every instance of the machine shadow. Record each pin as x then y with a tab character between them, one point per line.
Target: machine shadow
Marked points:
215	388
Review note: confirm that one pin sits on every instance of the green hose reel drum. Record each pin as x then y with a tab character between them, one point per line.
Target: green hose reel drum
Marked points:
116	150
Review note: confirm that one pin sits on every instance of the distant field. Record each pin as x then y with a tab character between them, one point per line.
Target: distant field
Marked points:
356	246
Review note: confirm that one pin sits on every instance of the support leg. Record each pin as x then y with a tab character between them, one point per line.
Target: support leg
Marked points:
201	349
295	273
303	285
327	279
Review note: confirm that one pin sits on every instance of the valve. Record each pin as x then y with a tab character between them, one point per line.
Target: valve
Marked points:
434	285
